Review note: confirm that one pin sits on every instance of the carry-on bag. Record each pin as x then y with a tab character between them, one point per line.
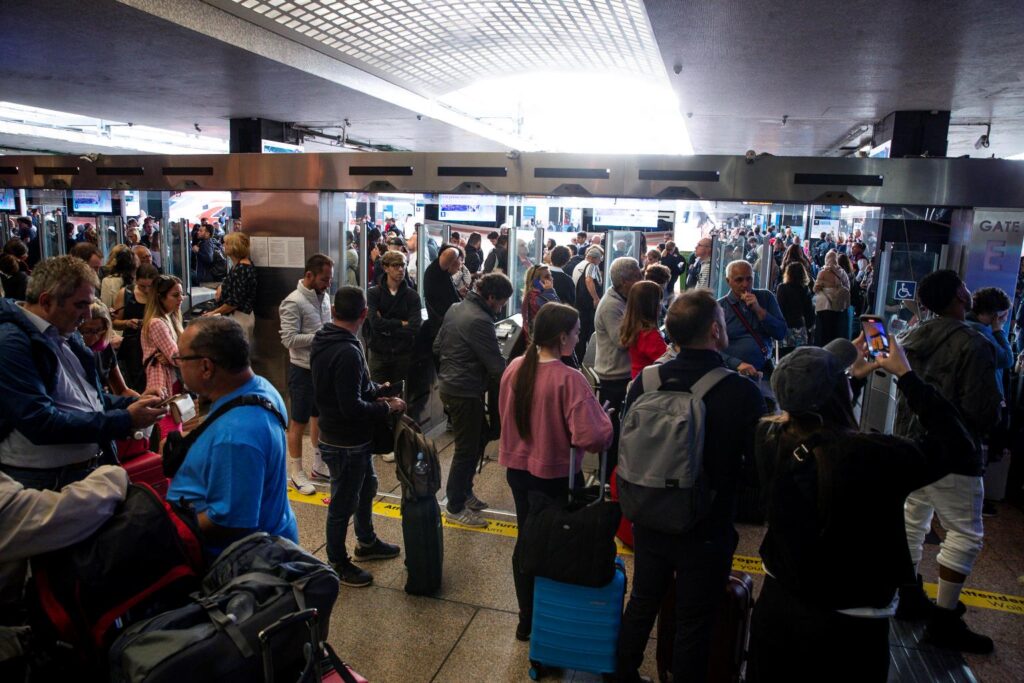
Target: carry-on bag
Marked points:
320	663
417	464
145	559
424	545
576	627
572	541
148	468
255	582
729	638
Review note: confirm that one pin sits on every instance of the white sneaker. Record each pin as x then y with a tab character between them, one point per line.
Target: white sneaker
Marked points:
388	457
298	478
467	517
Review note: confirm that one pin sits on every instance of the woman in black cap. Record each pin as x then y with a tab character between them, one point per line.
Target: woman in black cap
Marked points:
836	548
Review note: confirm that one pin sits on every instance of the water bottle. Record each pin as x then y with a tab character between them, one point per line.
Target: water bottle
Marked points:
421	467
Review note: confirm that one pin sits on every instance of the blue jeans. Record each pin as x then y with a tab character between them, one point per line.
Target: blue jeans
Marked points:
353	486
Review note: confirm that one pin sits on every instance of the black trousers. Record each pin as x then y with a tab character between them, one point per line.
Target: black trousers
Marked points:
791	640
614	392
469	429
389	367
700	570
522	482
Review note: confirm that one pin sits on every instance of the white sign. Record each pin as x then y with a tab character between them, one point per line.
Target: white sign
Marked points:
274	147
286	252
259	251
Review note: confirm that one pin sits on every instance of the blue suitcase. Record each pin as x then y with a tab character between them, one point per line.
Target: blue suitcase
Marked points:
576	627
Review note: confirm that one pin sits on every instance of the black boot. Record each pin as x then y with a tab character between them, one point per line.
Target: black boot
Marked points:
914	602
947	629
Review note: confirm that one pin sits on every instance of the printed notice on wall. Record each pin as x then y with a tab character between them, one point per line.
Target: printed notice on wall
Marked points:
286	252
259	251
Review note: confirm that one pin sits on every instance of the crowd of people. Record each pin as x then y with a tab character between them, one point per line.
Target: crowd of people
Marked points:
788	415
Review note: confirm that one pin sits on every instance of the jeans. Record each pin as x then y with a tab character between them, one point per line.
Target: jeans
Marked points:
467	416
53	479
793	640
701	572
957	500
353	486
522	482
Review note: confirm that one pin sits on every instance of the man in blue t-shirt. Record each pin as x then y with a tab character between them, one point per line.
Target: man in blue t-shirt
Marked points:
235	473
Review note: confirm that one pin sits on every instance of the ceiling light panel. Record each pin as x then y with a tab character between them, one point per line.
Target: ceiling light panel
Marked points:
437	46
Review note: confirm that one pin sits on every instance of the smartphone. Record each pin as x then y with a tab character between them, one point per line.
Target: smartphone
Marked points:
394	389
875	334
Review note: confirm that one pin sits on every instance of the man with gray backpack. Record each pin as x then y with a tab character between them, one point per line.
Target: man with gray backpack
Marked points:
687	426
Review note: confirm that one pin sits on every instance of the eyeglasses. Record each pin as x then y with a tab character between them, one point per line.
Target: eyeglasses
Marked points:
177	359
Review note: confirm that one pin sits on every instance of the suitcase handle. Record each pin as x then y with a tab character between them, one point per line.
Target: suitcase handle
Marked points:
311	618
603	471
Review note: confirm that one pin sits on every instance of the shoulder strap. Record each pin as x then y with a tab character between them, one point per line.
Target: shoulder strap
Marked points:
246	400
708	381
650	378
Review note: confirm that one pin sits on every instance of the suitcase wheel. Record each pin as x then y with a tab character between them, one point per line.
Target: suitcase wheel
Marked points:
534	674
537	671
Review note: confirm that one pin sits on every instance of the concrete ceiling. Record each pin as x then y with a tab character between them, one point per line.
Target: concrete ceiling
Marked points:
743	66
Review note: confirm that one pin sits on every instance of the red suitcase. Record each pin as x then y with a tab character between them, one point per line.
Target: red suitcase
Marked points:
143	465
729	640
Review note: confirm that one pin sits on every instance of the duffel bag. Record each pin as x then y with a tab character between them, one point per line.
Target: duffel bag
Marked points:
255	582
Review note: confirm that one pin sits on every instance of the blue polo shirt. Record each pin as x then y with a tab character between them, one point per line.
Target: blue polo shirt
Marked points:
743	348
235	472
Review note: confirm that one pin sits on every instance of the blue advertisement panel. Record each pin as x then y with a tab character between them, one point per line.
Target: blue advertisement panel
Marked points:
994	250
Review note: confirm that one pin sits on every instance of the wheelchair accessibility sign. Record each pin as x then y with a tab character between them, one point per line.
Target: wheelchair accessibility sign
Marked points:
905	290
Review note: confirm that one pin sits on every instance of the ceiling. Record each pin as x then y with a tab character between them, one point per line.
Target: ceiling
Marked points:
743	65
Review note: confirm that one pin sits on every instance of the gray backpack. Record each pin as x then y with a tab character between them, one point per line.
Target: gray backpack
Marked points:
661	477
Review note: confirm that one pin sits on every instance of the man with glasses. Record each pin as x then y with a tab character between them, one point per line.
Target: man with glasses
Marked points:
699	274
234	475
56	423
303	313
394	318
753	319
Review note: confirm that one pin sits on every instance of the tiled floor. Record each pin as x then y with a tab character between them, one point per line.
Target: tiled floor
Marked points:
466	633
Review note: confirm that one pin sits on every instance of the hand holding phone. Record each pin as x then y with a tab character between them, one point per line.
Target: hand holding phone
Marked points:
875	336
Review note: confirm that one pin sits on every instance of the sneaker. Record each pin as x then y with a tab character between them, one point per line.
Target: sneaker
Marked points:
378	550
988	509
474	503
298	478
947	629
317	475
351	575
388	457
467	517
914	602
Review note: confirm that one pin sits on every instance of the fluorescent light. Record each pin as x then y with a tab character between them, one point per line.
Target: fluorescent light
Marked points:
1017	156
17	119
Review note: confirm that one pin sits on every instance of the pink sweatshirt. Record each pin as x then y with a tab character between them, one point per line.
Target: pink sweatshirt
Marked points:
565	413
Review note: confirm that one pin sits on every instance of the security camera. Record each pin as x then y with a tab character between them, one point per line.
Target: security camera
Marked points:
982	142
677	67
750	156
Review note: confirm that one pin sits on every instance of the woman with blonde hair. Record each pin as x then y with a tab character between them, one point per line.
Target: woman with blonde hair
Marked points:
237	293
98	333
832	298
639	332
161	328
540	290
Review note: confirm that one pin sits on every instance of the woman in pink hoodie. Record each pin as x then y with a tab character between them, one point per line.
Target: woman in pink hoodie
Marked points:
546	408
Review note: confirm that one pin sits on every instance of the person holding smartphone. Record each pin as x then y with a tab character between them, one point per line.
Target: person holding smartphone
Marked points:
825	603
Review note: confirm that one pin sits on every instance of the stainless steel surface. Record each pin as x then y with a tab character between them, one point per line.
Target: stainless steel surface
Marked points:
882	278
277	214
993	183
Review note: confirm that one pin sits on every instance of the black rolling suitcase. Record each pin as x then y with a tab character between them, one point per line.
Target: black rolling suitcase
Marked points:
419	471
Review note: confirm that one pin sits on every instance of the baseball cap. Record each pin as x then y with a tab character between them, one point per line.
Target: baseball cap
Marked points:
804	380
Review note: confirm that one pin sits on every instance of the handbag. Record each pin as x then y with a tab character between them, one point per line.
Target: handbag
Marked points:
572	541
795	336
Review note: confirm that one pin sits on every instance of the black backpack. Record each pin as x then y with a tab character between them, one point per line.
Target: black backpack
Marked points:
219	264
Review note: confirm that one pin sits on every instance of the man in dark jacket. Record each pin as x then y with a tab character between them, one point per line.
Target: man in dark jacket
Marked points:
56	422
498	258
394	318
564	286
350	404
203	251
470	360
438	289
948	353
701	558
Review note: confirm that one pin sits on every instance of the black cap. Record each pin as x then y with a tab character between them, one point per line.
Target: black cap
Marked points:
805	379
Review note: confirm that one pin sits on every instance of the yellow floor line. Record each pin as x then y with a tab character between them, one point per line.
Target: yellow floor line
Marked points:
1014	604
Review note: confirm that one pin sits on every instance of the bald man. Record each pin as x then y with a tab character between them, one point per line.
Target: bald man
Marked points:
438	290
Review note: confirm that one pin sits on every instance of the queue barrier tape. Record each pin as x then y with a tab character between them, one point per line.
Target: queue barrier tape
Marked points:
1014	604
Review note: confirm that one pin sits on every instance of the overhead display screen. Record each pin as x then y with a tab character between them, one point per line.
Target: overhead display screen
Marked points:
618	217
467	208
7	201
92	201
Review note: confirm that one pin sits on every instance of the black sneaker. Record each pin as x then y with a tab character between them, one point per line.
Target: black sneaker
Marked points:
378	550
914	602
524	628
351	575
947	629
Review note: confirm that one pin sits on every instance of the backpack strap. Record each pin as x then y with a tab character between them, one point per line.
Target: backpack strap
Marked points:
650	378
246	400
708	381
